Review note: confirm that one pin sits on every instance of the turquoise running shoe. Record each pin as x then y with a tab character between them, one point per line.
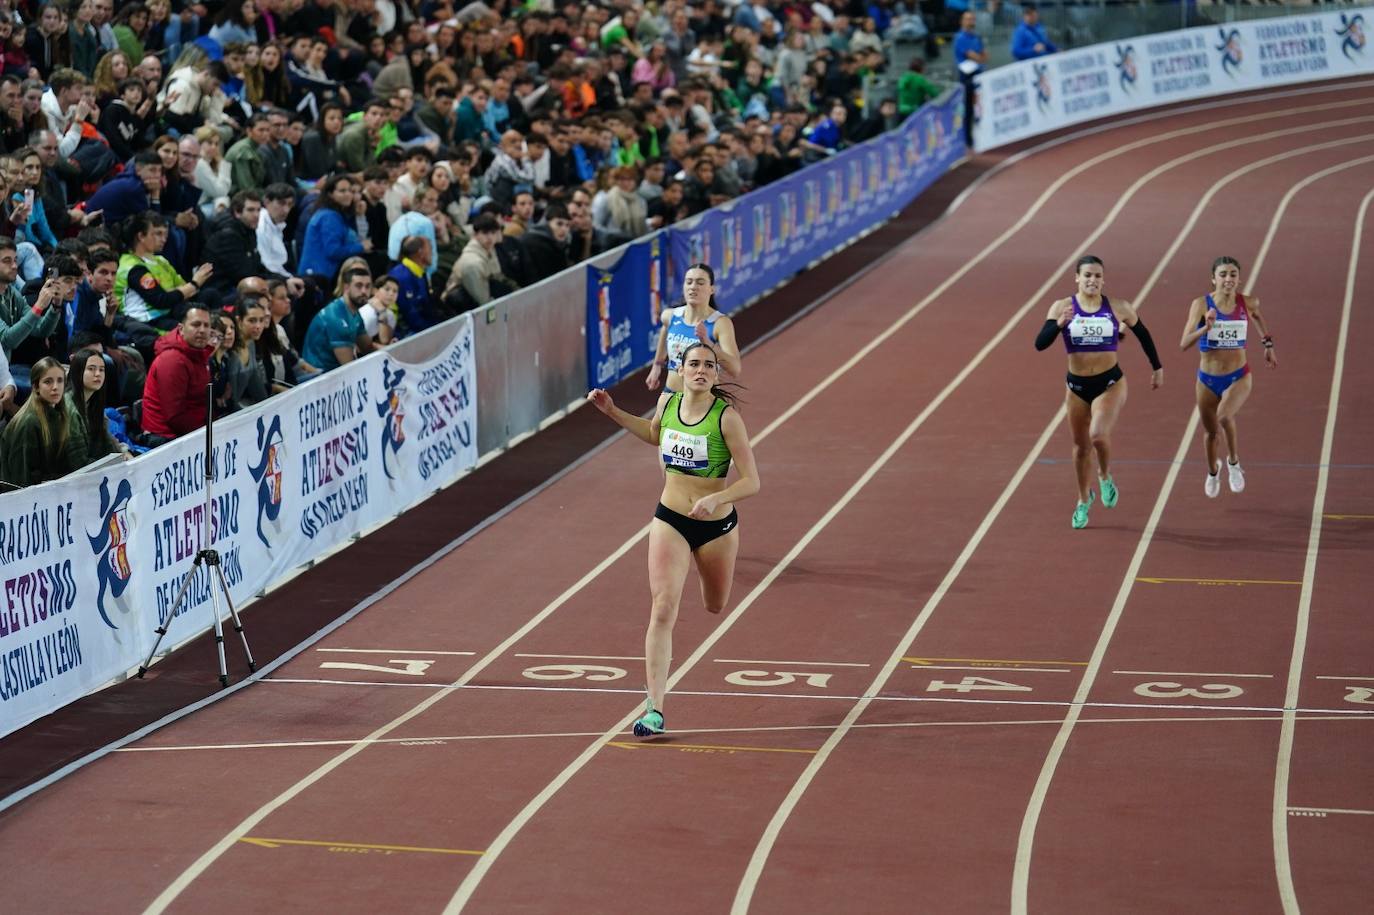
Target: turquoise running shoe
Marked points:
1080	512
651	723
1109	493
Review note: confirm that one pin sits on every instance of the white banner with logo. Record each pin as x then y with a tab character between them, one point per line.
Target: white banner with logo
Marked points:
91	564
1032	97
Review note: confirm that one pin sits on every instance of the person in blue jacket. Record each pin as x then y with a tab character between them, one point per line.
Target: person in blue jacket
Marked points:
331	237
131	192
1030	39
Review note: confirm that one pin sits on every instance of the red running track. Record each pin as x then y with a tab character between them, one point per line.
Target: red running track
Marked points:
929	692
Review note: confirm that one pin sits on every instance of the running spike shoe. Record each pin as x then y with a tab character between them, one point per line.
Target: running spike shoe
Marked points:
1235	477
1109	493
1213	485
650	723
1080	512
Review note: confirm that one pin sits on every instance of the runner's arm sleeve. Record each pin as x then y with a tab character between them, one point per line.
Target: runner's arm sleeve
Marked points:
1048	332
1147	343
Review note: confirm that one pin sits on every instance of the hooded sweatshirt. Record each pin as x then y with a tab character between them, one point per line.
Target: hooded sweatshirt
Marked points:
174	394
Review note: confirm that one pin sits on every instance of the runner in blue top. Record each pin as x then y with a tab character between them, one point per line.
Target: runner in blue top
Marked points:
1089	324
696	321
699	434
1219	324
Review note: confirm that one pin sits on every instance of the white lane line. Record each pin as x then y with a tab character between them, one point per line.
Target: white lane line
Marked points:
802	663
438	739
1026	839
1282	862
1367	813
212	854
864	697
483	866
1177	673
399	651
584	657
1361	679
749	882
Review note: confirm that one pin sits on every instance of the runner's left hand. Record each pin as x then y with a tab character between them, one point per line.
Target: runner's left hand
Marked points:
1269	358
706	507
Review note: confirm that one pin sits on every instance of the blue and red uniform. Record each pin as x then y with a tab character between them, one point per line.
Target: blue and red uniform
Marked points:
1227	333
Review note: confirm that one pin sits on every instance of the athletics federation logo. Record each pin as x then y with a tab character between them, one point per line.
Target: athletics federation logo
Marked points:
111	547
391	409
1230	50
1352	34
1125	67
1043	90
269	474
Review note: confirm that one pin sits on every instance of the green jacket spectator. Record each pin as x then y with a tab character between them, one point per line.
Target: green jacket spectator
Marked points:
914	89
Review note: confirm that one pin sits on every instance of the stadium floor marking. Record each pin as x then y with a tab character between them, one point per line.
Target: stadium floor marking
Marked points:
699	747
1152	580
688	732
988	667
392	651
1345	678
583	657
990	661
1331	517
741	694
804	663
1323	811
1181	673
263	842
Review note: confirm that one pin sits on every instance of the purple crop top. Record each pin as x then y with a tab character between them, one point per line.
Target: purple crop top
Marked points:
1091	332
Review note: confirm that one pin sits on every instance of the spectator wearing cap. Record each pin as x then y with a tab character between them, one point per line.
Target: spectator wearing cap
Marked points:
1030	39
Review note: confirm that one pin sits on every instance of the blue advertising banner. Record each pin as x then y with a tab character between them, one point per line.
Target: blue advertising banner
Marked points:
770	234
622	312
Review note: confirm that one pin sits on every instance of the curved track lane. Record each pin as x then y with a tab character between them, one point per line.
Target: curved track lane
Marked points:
840	738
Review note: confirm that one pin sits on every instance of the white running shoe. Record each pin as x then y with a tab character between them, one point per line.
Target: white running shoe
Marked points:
1213	485
1235	477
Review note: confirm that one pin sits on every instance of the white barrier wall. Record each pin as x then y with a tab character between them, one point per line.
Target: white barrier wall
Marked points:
1036	96
90	564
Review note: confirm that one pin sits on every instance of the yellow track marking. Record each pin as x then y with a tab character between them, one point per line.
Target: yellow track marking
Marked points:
701	747
1214	581
276	843
990	661
1331	517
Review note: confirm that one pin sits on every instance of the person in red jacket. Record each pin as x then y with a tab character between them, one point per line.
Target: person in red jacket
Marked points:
174	394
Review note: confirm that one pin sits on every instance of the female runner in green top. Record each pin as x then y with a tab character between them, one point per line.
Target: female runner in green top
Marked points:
698	434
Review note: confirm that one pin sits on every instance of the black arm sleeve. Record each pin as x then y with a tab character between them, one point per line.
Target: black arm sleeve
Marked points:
1147	343
156	296
1047	334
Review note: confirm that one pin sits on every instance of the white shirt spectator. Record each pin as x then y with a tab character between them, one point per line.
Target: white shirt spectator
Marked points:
271	244
64	125
541	170
702	63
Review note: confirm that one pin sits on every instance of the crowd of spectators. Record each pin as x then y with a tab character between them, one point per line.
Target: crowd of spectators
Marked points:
244	194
